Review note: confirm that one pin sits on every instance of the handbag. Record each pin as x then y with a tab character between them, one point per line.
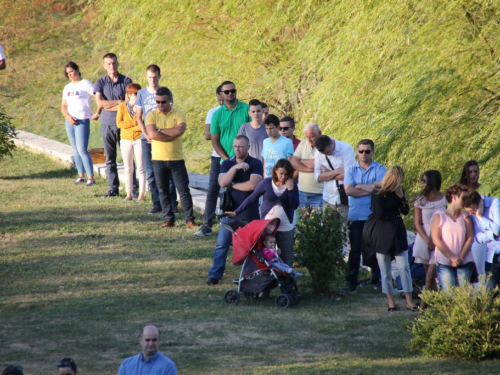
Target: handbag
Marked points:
226	203
340	188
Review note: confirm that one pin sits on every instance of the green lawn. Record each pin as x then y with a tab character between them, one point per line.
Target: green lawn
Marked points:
80	275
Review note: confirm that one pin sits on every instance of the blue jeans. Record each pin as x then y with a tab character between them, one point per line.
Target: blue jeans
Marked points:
310	200
78	135
150	174
165	171
493	273
454	276
224	239
213	192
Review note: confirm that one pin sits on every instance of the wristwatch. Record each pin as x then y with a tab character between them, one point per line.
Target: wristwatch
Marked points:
159	130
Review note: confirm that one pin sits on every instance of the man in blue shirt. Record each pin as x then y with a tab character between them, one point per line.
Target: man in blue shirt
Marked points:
150	361
359	181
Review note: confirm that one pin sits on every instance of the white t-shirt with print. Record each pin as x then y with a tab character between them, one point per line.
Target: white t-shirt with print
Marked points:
77	96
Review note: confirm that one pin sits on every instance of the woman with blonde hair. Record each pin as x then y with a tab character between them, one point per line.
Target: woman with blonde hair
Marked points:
384	235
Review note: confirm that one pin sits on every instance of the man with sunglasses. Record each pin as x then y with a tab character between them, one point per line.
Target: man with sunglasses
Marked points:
287	128
359	181
331	159
165	126
227	120
66	366
150	360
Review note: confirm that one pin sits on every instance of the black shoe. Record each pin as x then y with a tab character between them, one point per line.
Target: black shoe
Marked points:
211	281
110	193
155	210
135	195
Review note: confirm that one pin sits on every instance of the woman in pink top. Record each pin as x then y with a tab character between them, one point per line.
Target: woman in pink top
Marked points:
452	233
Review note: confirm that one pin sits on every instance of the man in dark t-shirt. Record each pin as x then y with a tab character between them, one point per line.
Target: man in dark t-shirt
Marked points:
243	173
110	92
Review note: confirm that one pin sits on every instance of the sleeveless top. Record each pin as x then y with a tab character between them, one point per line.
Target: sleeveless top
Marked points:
420	248
453	235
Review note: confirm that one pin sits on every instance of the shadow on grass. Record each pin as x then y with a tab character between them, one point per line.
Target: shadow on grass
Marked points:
59	173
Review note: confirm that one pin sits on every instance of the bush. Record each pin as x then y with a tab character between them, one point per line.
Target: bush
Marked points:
461	324
7	134
319	241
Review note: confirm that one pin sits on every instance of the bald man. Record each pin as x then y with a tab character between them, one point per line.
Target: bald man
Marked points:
150	360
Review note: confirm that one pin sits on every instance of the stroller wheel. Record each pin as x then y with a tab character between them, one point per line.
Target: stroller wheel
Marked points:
251	296
283	301
232	297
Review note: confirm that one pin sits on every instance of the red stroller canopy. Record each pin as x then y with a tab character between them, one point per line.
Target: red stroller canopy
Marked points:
244	239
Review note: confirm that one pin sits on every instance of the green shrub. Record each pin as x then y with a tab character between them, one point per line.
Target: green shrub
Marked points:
7	135
461	324
318	246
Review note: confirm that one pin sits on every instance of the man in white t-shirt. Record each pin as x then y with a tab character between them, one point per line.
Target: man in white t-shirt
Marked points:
2	59
332	158
146	102
213	183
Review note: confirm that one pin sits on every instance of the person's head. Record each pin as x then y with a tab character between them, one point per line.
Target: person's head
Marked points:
470	201
241	146
72	71
132	90
66	366
13	370
431	182
282	171
265	111
287	127
393	179
149	338
228	90
366	147
272	126
153	75
269	241
218	94
324	145
454	193
163	99
110	63
255	110
312	132
470	173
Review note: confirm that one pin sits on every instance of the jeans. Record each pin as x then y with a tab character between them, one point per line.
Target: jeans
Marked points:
129	149
213	192
384	262
310	200
224	239
478	251
173	170
493	273
150	174
78	135
284	240
454	276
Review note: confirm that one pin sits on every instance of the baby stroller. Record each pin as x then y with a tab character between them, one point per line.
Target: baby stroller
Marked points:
256	276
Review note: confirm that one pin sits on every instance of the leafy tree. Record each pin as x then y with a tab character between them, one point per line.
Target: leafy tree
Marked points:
7	135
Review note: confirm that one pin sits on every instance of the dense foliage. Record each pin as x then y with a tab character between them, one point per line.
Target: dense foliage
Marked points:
418	77
7	135
461	324
319	244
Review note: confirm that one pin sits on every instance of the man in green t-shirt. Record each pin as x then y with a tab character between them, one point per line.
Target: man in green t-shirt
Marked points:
227	120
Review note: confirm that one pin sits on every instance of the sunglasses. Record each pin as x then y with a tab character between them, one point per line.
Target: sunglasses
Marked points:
227	92
161	101
367	152
66	363
284	129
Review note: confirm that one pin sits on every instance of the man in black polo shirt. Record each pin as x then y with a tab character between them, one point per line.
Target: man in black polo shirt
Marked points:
243	173
110	92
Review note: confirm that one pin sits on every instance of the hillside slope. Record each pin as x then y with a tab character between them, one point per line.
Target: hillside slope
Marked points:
418	77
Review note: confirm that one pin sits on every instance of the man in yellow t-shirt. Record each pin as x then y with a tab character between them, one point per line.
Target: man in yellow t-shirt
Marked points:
165	126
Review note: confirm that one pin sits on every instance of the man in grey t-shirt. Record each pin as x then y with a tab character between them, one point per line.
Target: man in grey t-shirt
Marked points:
255	130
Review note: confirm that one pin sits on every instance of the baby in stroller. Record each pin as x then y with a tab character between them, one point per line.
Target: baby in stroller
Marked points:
275	262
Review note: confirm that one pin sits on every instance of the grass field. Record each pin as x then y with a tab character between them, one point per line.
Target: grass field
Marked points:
80	275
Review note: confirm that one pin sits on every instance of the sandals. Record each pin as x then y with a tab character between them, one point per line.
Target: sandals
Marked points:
392	309
412	308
